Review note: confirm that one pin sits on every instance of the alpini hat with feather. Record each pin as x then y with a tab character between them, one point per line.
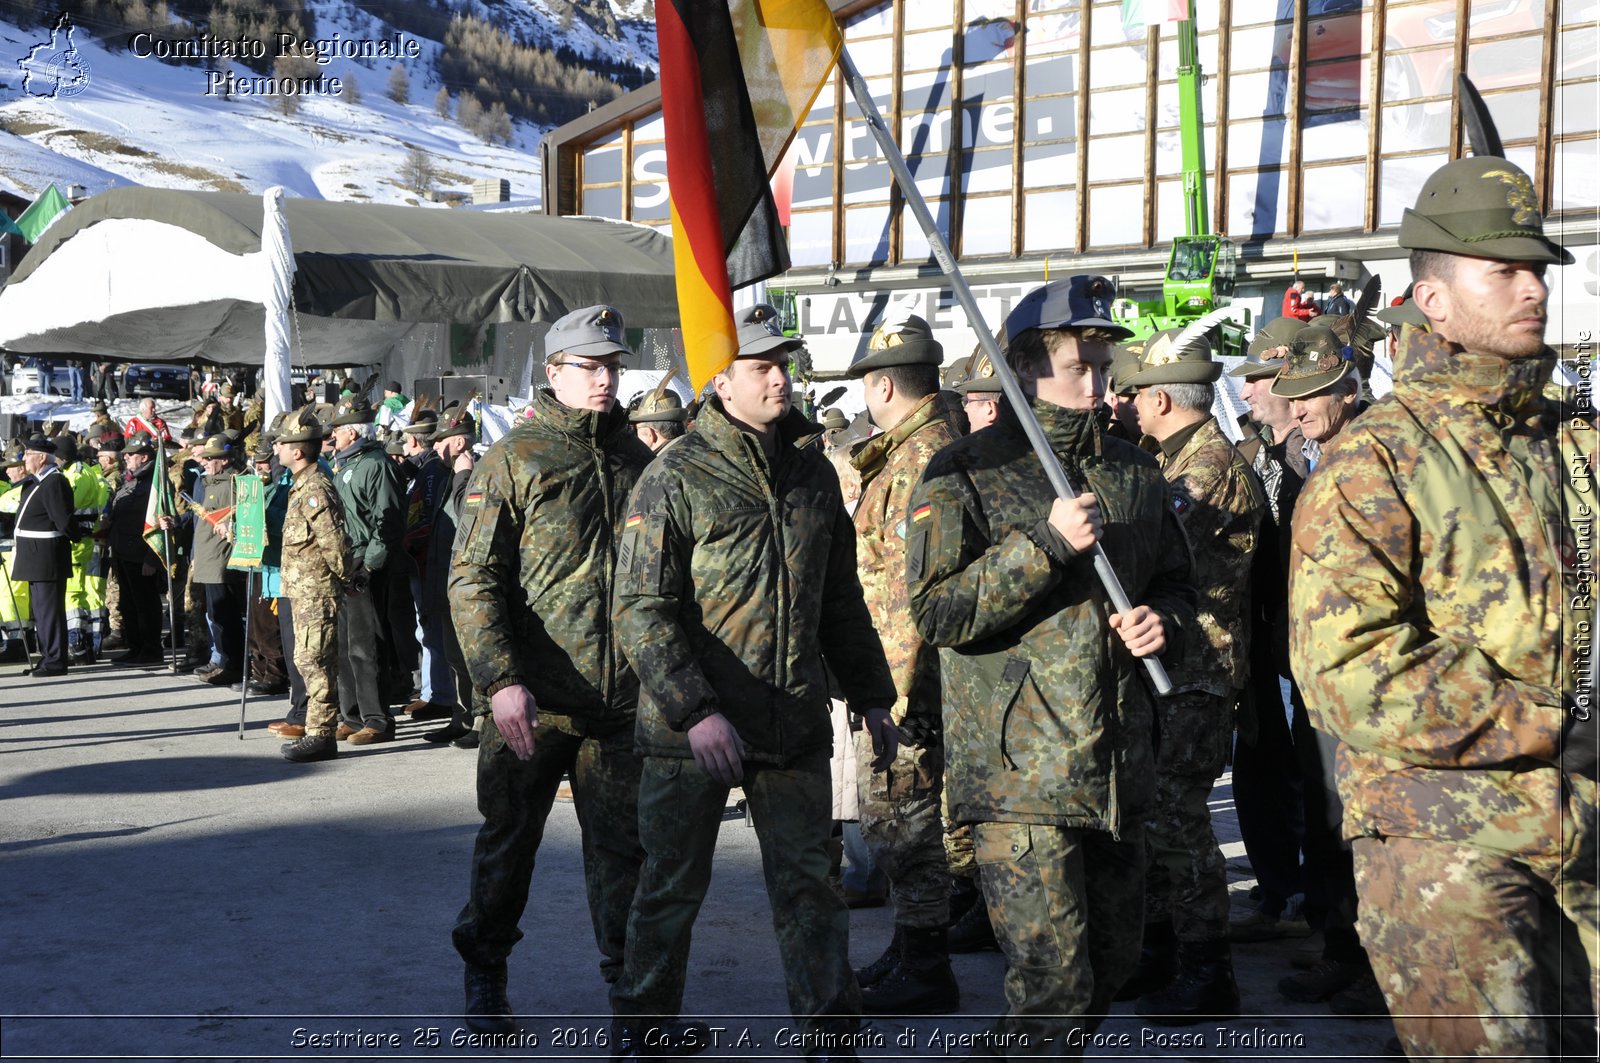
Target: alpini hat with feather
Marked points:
1169	359
1317	360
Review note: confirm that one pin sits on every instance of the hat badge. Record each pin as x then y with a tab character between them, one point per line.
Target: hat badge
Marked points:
1519	195
1162	352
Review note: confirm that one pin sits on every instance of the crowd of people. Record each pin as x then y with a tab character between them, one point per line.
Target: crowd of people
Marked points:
1365	607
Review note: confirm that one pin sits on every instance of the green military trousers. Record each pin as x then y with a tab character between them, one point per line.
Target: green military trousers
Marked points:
1067	905
515	797
680	812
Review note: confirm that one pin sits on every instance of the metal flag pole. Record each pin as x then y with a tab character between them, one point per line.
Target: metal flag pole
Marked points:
172	612
1008	381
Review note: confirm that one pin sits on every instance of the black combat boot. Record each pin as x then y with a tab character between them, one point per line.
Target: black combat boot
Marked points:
879	969
922	983
973	932
1158	961
314	747
1204	989
641	1038
488	1011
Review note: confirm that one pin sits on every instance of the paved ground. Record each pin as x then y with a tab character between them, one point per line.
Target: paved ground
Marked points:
172	891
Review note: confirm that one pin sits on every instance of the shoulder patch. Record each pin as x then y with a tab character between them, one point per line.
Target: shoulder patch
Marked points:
1180	503
311	503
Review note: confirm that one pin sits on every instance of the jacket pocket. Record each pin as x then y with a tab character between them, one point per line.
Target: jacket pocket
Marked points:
1005	701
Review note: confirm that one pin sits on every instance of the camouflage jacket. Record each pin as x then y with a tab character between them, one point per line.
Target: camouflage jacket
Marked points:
1046	716
534	560
891	466
374	508
316	551
736	580
1220	502
1433	612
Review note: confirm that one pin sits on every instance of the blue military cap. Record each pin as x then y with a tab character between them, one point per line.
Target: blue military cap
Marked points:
591	332
1083	301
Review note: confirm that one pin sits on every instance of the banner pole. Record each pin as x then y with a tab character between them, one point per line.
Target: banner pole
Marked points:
1008	381
244	672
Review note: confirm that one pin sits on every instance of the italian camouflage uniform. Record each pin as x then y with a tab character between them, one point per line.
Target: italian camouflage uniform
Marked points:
315	565
1047	721
736	580
530	592
900	808
369	488
1220	502
1439	590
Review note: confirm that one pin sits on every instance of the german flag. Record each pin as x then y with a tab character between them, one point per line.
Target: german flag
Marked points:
741	75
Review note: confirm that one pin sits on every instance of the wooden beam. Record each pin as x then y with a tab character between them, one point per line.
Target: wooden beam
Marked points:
1544	147
1463	28
895	118
1369	221
1224	65
1294	119
1152	78
1019	100
1081	133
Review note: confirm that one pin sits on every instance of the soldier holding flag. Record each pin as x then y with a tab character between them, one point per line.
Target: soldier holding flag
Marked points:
140	567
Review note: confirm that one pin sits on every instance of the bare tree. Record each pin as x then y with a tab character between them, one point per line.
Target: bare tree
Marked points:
399	85
417	172
441	102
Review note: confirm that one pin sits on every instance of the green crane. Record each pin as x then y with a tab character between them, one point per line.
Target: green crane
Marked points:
1203	265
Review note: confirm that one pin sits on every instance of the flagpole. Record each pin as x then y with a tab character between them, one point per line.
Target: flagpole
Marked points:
1008	381
172	612
244	673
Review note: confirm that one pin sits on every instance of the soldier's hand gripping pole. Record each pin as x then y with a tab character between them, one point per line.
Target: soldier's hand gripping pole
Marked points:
1008	381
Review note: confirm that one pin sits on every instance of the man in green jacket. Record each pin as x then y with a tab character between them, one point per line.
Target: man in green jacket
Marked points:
530	596
736	580
1047	719
374	518
1441	613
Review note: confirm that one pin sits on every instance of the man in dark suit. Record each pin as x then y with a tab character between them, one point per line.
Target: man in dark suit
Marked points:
43	551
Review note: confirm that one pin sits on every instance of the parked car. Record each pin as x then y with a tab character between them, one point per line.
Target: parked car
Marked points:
161	380
27	379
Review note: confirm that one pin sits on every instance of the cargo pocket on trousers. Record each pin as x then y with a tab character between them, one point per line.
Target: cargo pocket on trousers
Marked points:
1015	890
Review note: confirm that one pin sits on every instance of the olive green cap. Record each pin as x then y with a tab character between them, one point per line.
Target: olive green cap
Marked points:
139	443
1164	363
981	380
353	410
956	372
650	408
1317	360
218	446
833	420
905	340
456	422
1484	207
1406	313
301	426
1128	360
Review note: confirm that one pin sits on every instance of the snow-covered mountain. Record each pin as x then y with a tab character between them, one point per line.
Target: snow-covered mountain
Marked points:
74	111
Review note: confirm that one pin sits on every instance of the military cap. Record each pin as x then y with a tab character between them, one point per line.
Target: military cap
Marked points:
1279	332
99	407
40	444
10	463
422	426
902	339
982	380
1124	364
1165	363
1317	361
66	448
956	372
1404	312
219	446
139	443
833	420
225	391
761	333
353	411
650	407
394	448
592	332
394	386
270	433
1484	207
1083	301
301	426
456	423
262	451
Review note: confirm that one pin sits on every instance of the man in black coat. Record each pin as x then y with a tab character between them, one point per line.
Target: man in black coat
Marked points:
43	551
140	579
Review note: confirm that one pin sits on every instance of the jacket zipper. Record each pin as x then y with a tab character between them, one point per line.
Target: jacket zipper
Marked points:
605	577
781	641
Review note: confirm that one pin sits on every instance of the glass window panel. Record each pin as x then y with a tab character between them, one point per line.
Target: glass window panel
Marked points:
1334	197
1334	136
1257	204
1170	208
875	57
990	33
1168	115
1577	12
1399	182
1116	216
1578	51
1413	126
914	244
927	132
926	51
1575	109
1502	64
1051	119
603	202
866	234
811	238
1491	18
1106	28
813	186
994	124
928	14
1248	11
1169	150
650	182
1409	75
1054	32
602	166
652	129
1337	31
1575	167
1260	47
1116	67
986	226
927	91
1257	143
1338	84
1516	114
1256	95
1116	158
931	173
1046	75
879	20
1045	165
1119	111
1049	219
986	171
867	178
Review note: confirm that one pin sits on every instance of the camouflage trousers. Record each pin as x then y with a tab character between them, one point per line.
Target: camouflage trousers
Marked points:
680	813
1186	879
514	797
1067	905
1481	954
316	657
903	826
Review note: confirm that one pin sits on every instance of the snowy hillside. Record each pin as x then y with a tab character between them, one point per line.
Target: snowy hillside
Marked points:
141	120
